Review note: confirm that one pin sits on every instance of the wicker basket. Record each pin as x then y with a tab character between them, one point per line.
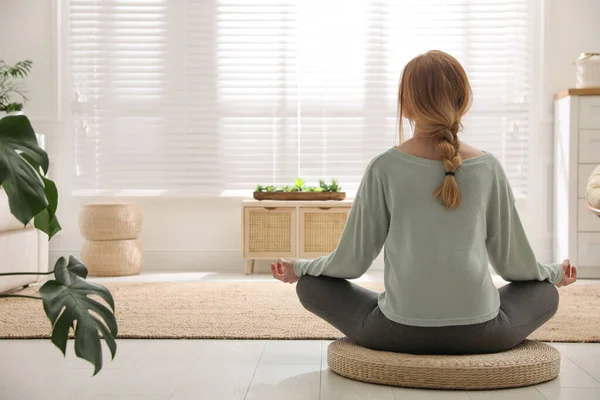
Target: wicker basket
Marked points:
110	221
113	257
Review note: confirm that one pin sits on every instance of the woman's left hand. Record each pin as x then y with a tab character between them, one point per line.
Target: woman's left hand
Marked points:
284	271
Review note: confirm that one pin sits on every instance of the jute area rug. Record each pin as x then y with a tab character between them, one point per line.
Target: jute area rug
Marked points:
255	310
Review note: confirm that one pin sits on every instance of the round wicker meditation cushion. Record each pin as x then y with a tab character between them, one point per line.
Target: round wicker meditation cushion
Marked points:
110	221
112	257
527	364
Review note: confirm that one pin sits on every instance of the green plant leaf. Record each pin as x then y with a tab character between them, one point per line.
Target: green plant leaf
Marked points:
49	225
299	184
75	266
16	133
334	187
46	220
67	299
20	156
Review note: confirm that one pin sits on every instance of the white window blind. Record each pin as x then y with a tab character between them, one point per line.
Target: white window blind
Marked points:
214	97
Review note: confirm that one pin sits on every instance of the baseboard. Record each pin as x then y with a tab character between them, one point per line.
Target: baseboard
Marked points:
588	272
181	261
195	261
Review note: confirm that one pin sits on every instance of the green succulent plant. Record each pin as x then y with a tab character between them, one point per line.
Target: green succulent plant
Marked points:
300	186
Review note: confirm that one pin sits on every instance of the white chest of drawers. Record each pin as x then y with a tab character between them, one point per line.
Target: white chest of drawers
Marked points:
576	154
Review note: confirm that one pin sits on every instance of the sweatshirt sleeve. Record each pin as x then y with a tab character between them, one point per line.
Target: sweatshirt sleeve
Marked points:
508	249
363	237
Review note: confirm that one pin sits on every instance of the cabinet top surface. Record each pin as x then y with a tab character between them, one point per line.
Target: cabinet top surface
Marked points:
297	203
577	92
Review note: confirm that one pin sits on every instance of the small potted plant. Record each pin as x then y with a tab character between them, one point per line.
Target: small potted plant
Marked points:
10	89
299	191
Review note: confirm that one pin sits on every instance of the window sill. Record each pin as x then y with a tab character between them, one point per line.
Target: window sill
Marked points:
168	194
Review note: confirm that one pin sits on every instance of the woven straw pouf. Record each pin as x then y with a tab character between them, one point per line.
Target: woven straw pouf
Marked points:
111	247
110	221
527	364
112	257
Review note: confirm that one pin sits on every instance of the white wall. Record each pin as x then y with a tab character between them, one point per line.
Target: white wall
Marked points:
569	28
205	234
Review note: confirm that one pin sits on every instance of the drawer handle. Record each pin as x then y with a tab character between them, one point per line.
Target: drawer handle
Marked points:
270	208
324	208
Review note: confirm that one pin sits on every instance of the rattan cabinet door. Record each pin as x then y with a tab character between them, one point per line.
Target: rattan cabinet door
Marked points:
320	230
269	232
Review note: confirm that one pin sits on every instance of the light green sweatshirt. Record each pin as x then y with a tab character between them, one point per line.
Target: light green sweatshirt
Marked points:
436	259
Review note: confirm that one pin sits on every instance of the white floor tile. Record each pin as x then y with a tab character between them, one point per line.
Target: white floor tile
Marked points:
571	376
65	384
585	355
424	394
570	393
289	382
234	350
292	352
335	387
14	383
217	380
144	379
324	345
526	393
119	397
17	349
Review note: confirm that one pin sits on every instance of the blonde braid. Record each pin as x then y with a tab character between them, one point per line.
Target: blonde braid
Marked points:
448	147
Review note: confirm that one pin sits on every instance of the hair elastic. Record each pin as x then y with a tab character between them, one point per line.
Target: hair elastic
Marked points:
450	173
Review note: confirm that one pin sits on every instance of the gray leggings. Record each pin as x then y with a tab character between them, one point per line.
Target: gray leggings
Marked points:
525	306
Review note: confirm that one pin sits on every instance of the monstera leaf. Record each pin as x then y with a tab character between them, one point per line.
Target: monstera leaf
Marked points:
23	165
46	220
68	305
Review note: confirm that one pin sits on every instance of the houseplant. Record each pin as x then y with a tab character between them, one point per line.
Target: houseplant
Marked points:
299	191
10	88
66	299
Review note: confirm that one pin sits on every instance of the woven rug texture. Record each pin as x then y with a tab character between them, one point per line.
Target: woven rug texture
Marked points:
255	310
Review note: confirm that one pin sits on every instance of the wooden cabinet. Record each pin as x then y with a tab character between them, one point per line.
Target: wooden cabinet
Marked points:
576	154
291	229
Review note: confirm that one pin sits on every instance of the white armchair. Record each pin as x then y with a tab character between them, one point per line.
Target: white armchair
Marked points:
22	249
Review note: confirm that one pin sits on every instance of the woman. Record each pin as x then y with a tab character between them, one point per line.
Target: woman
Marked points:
444	210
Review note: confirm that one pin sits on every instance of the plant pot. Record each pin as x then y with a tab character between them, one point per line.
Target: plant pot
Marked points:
296	196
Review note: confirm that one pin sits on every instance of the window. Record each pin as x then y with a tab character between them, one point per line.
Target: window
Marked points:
215	96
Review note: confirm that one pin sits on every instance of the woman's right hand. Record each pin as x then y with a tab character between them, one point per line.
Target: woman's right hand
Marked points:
569	274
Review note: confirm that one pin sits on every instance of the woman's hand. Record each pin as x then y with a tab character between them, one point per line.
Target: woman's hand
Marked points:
284	271
569	274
